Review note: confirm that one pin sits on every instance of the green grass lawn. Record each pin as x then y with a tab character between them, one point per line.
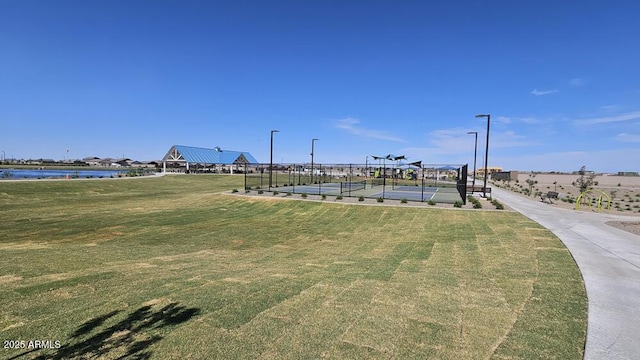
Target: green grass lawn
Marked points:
170	268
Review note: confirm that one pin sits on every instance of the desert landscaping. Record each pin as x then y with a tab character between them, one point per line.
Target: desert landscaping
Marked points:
624	193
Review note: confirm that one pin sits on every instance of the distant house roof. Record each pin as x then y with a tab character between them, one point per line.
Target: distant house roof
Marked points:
196	155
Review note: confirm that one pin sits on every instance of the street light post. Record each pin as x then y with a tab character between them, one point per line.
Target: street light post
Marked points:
312	141
271	160
486	154
366	167
475	154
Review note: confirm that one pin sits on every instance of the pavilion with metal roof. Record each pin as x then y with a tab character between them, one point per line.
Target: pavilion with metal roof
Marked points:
199	159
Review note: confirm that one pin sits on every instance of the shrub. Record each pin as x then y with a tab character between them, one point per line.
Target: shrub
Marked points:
380	200
497	204
247	191
260	192
324	197
234	190
361	198
457	204
304	195
431	202
288	193
339	197
477	205
275	193
403	200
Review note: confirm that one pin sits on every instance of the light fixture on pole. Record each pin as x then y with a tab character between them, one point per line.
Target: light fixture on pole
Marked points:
271	159
486	153
312	141
475	154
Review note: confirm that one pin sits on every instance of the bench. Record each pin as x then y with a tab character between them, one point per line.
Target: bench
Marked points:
548	196
478	188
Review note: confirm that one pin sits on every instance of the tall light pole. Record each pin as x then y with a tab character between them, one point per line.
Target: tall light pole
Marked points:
486	154
312	141
366	167
475	154
271	159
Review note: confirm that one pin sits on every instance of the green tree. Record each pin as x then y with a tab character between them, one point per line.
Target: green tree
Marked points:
585	180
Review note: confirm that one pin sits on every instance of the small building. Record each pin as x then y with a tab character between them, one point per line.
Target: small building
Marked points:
505	175
203	160
490	170
92	161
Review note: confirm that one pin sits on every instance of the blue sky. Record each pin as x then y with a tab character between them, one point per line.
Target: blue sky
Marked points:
110	78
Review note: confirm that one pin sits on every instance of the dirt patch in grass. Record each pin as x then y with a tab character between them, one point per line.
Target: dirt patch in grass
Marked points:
5	279
29	245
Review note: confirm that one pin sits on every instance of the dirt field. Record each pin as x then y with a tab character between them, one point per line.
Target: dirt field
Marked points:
624	192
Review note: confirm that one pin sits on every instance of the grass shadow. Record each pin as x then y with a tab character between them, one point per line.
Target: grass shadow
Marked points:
129	338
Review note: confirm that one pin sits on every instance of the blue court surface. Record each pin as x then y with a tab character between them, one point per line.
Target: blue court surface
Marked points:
409	195
412	188
310	189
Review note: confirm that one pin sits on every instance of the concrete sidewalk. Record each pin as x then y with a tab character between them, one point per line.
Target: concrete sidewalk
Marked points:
609	260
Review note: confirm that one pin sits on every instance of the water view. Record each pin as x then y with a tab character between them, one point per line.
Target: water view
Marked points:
9	174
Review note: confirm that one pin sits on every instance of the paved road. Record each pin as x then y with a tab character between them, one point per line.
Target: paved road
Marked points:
609	260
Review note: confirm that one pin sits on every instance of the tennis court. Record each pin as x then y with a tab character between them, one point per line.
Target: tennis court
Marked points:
333	188
412	194
414	181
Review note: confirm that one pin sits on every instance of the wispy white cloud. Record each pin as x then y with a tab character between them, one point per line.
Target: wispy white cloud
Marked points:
529	120
509	139
577	82
456	141
353	127
504	119
610	107
625	137
537	92
609	119
613	160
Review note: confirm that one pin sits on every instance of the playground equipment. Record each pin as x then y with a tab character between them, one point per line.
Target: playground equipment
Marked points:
588	196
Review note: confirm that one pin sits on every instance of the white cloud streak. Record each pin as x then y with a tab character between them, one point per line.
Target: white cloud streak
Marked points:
537	92
610	119
630	138
352	126
599	160
456	141
525	120
577	82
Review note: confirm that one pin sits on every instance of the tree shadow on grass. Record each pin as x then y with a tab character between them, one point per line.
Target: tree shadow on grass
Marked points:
126	339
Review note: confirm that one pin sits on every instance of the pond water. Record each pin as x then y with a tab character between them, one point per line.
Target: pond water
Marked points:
9	174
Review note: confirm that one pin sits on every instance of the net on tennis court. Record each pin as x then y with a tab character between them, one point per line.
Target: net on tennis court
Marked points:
348	186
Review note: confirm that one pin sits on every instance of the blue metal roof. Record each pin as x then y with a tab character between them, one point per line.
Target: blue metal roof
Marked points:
216	155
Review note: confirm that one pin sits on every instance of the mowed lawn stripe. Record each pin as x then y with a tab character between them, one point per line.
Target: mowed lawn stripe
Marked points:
172	268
